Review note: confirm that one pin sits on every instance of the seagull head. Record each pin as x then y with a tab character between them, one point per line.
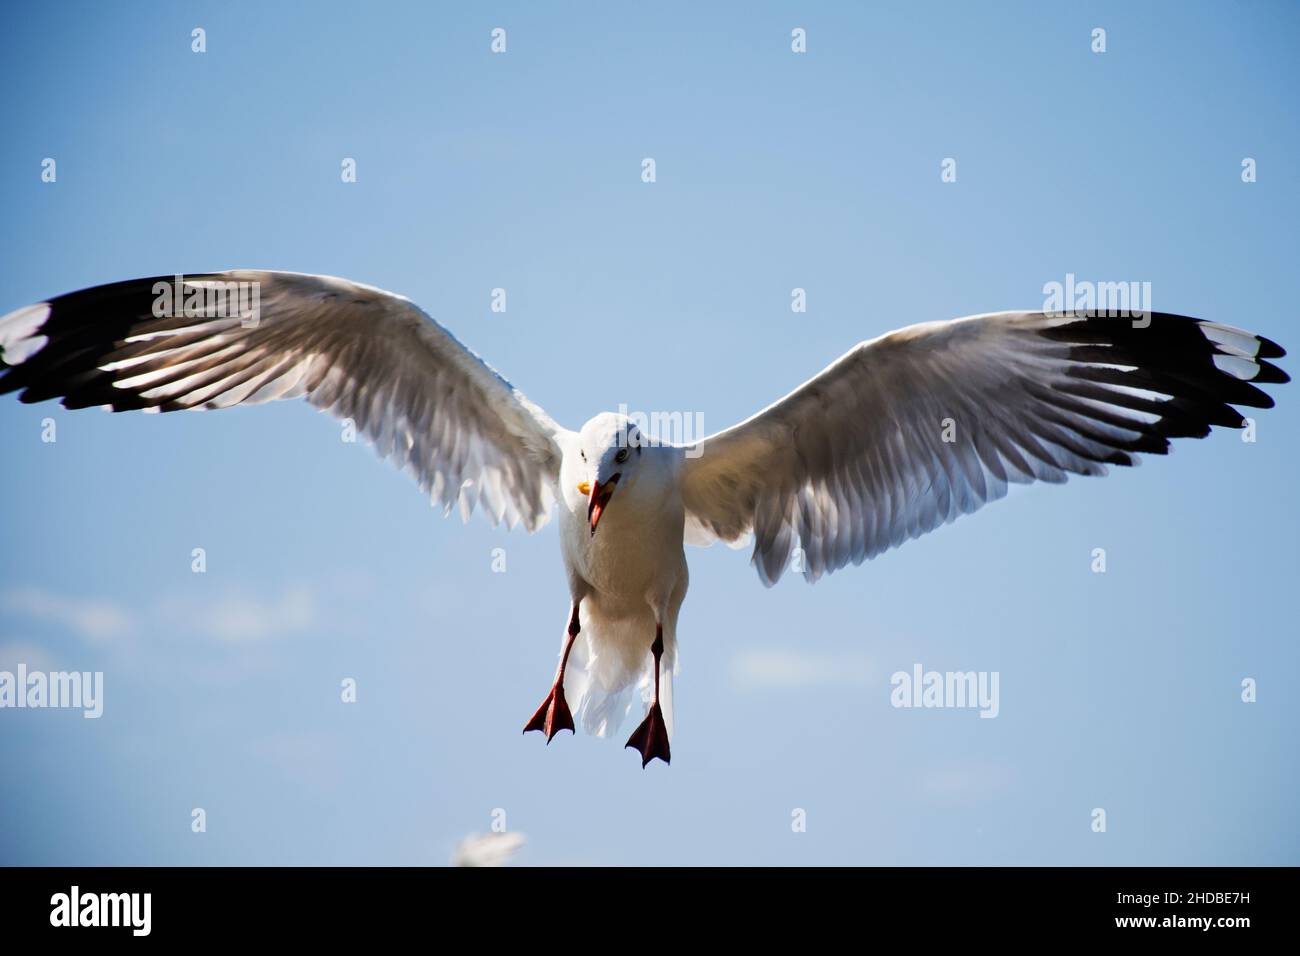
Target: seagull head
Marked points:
610	449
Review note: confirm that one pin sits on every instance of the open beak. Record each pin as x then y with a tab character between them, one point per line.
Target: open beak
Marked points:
600	495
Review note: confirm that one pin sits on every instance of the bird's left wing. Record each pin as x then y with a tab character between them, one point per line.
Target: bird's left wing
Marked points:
220	339
910	430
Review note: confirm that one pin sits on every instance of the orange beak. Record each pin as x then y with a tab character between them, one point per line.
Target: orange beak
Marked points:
600	495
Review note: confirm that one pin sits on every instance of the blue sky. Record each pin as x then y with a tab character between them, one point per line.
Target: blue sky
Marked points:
522	171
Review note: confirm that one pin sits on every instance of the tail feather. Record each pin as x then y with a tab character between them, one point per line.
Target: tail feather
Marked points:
610	675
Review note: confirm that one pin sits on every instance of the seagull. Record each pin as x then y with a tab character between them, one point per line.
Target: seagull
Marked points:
901	434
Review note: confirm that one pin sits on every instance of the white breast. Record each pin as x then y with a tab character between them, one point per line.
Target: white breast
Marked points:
638	548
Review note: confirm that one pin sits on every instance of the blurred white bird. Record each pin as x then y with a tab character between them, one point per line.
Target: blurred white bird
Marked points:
487	849
899	435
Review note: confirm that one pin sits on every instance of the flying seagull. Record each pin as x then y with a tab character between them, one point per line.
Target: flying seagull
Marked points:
899	435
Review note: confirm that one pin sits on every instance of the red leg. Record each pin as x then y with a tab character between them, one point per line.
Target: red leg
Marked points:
651	738
553	716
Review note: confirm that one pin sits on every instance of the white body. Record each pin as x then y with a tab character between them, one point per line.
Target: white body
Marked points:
627	577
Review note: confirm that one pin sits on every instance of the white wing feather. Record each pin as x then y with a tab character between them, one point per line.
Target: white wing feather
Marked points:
428	404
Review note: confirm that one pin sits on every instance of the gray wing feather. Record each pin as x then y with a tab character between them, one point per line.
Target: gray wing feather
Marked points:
909	431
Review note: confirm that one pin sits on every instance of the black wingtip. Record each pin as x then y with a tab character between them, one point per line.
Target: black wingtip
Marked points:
1270	374
1269	349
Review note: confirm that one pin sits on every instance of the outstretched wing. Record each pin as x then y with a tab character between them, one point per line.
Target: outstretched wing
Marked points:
215	340
912	429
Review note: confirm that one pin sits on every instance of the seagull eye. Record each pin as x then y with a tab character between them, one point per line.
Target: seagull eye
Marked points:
621	456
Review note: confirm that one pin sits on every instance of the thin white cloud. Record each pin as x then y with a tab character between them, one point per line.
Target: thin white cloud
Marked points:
244	618
752	670
96	621
966	780
232	617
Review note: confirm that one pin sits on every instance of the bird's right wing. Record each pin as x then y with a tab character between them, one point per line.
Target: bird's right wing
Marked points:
910	430
429	404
